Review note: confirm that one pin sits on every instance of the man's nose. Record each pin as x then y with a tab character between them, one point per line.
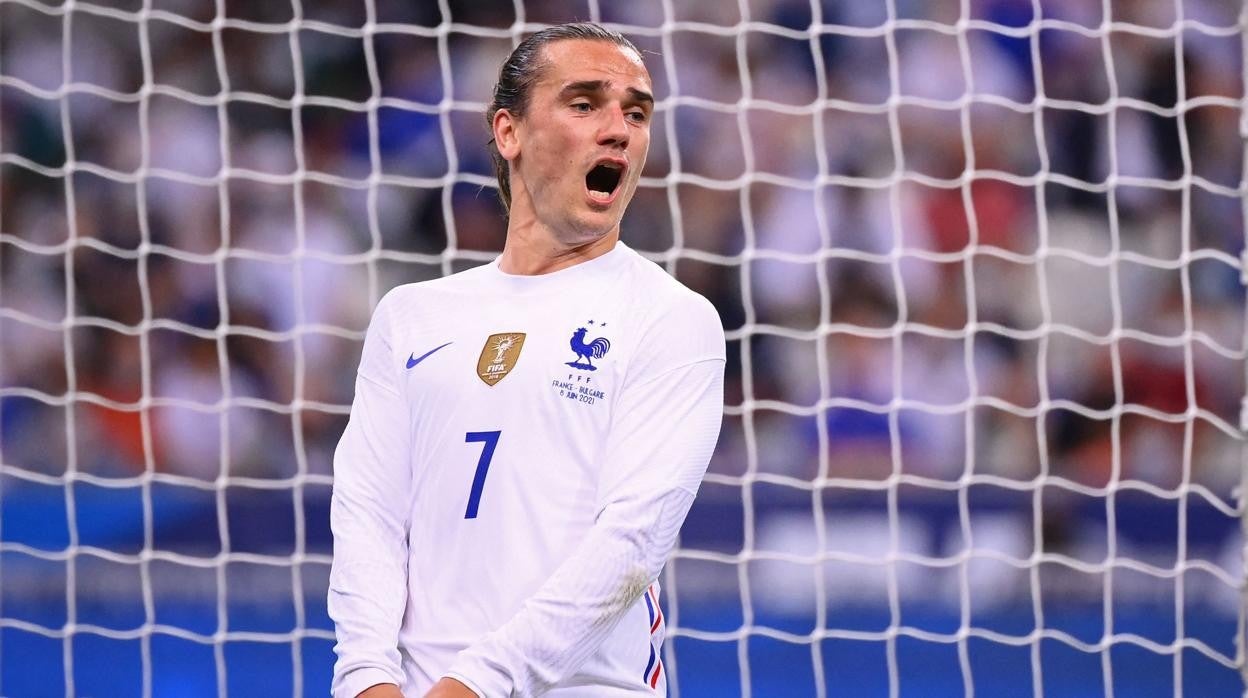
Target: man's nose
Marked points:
614	128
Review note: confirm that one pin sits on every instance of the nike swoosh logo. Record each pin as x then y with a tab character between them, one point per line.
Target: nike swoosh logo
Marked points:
413	361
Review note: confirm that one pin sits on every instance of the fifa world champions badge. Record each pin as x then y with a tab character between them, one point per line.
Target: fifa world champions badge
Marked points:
499	356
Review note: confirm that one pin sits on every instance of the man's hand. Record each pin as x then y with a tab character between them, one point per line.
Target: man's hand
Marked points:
381	690
450	688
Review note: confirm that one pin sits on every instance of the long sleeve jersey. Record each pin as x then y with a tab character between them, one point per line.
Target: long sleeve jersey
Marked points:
520	456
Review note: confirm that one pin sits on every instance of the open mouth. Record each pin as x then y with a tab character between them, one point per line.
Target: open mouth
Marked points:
603	180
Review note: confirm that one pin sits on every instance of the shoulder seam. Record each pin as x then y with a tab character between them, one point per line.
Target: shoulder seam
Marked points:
686	364
377	383
384	317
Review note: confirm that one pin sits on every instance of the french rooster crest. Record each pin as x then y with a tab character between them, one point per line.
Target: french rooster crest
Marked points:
587	351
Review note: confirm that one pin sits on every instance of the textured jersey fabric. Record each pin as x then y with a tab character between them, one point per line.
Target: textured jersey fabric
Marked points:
520	455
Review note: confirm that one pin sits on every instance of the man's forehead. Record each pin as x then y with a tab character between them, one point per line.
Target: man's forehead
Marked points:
574	60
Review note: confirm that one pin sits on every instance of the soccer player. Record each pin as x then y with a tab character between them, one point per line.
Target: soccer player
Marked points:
528	436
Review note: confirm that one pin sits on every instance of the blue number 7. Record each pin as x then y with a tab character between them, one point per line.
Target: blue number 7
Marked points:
490	439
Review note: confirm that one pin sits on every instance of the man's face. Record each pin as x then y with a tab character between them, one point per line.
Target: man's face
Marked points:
582	141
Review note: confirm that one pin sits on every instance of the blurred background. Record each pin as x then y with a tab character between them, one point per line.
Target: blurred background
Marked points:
979	263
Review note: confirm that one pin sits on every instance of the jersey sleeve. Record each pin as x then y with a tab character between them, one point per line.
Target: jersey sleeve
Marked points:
661	437
368	516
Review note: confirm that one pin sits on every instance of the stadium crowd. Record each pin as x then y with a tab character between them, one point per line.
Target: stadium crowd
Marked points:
926	276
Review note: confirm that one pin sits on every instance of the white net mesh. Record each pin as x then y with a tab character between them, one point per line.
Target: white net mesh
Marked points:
980	266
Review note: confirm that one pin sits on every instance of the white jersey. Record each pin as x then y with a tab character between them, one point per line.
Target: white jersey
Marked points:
521	453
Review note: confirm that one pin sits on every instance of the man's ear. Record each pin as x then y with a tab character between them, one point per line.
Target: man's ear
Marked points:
506	138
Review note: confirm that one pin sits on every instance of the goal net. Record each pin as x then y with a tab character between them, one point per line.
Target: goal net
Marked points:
980	266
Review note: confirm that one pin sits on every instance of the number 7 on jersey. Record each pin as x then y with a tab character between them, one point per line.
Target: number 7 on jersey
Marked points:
490	439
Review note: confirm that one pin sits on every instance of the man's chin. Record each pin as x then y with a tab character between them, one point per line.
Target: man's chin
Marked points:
596	220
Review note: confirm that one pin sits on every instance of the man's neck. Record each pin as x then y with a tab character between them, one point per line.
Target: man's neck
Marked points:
532	250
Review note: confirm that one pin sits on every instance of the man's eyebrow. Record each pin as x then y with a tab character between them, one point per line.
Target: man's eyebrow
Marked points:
641	95
582	86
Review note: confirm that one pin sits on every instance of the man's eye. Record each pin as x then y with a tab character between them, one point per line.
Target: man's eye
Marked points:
638	116
580	106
